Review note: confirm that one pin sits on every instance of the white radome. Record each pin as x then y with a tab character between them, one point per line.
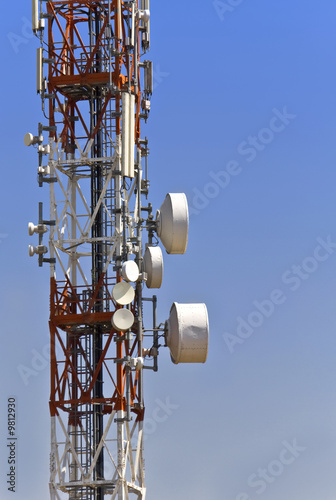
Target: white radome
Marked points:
122	320
28	139
153	266
173	223
188	333
123	293
130	271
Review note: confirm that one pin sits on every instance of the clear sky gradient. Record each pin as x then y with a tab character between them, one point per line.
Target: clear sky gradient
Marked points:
243	122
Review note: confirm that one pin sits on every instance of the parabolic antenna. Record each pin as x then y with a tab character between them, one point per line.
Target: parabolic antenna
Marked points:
28	139
153	267
173	222
130	271
122	320
31	250
123	293
187	333
31	228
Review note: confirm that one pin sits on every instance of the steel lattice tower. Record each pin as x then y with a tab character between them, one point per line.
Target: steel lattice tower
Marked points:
95	91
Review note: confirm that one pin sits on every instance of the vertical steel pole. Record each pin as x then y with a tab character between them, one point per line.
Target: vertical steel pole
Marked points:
97	261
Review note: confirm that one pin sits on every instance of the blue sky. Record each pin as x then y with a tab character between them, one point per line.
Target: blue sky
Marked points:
243	122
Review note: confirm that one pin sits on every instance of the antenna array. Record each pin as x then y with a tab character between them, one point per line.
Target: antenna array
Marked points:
96	87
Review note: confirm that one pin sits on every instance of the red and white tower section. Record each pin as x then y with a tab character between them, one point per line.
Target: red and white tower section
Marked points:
100	240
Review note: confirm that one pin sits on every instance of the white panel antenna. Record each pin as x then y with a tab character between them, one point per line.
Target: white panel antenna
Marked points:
125	134
35	15
128	134
39	70
131	136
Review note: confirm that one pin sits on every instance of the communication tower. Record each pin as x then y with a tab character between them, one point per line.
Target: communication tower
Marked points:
95	86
